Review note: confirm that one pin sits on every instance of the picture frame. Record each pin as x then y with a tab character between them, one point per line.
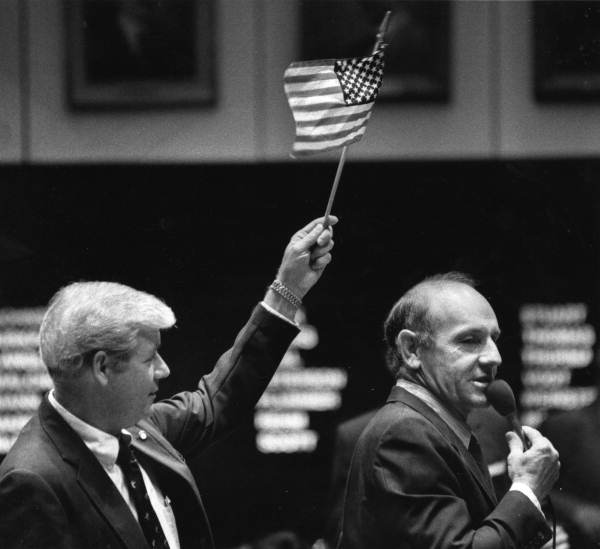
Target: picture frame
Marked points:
417	55
139	54
566	54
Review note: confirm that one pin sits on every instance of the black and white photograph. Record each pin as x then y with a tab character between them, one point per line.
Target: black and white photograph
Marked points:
299	274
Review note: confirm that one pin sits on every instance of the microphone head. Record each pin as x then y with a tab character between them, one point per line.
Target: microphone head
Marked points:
501	397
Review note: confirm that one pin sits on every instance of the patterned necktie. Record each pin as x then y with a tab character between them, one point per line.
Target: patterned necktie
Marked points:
135	482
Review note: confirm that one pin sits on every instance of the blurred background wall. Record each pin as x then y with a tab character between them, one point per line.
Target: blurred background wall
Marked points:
492	112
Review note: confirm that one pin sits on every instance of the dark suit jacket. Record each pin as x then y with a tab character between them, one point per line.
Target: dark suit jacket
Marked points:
413	484
54	494
346	436
576	436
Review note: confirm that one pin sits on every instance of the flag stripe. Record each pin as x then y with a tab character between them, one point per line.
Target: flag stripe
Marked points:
306	67
311	110
329	100
344	131
322	146
330	129
327	87
293	78
302	115
299	152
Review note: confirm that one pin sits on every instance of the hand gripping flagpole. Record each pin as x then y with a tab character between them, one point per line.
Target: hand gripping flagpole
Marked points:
378	42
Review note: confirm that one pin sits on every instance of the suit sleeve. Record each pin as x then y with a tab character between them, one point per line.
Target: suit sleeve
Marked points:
422	498
192	420
31	515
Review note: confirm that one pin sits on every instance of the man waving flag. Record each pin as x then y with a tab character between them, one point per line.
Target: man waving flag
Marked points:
331	100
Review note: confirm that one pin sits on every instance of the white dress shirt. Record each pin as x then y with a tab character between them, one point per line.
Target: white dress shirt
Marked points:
105	448
277	313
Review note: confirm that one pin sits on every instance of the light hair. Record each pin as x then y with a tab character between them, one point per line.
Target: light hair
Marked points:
412	312
85	317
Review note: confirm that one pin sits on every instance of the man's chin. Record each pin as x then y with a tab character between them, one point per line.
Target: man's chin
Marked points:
479	400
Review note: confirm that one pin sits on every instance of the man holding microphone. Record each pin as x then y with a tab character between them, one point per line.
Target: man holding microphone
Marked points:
417	478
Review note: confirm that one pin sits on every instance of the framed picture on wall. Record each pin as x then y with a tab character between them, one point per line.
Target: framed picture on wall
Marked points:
417	58
566	50
139	53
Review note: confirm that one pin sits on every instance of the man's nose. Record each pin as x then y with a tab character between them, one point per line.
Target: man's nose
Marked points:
490	355
161	370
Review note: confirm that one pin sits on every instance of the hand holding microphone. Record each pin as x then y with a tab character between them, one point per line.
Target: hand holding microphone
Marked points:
538	467
532	459
502	399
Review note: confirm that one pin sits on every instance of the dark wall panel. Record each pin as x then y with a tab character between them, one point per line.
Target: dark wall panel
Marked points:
208	239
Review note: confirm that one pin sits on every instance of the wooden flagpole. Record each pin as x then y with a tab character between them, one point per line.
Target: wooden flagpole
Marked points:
379	40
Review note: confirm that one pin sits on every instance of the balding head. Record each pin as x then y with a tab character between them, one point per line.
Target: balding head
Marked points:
416	311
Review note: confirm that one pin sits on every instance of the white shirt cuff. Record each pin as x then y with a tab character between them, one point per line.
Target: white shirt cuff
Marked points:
277	313
526	491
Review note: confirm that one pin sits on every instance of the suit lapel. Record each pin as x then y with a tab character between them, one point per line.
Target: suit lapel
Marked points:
151	443
398	394
92	478
161	454
483	477
110	503
101	491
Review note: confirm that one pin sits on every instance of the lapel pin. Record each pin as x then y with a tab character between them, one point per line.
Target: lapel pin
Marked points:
142	435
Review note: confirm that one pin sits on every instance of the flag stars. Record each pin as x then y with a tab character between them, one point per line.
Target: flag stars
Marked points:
360	78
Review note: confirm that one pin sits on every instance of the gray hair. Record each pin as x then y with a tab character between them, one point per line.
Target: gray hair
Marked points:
85	317
412	312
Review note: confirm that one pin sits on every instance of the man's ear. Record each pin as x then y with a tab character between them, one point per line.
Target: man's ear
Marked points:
408	346
100	367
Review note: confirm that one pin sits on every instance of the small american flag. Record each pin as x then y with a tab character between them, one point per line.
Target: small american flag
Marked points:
331	100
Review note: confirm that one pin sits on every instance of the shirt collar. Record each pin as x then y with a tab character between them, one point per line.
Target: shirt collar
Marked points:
103	445
460	428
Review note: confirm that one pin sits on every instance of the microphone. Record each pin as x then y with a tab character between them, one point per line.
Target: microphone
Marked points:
502	399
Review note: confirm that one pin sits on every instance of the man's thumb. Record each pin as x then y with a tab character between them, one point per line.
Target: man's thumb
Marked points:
514	442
